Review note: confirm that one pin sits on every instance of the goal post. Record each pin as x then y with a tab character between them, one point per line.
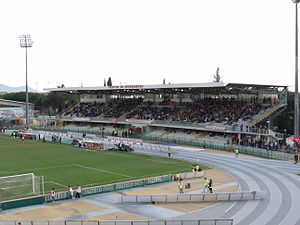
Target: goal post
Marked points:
21	185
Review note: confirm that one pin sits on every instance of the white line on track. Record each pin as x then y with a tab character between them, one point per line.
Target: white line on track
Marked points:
230	207
101	170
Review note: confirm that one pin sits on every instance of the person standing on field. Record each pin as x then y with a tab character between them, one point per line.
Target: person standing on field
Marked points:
71	192
78	191
53	192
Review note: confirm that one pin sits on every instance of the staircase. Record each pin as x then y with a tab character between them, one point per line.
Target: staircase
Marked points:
266	114
203	135
69	109
165	133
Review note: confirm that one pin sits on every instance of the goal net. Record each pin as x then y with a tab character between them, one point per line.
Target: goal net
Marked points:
18	186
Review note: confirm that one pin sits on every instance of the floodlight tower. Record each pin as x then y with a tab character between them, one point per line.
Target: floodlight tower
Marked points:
296	97
25	42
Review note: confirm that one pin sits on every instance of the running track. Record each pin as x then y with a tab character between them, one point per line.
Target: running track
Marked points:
282	203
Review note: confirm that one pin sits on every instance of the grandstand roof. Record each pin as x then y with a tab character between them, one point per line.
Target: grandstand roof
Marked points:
184	87
10	103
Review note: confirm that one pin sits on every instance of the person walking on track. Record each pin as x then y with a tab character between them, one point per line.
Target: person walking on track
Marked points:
210	186
236	153
180	186
169	152
205	182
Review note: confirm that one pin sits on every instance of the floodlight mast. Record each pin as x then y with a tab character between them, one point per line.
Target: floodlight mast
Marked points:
296	95
25	42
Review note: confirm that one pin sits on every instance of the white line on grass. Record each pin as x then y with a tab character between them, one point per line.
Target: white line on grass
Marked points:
101	183
6	137
101	170
143	153
52	182
40	168
18	144
23	185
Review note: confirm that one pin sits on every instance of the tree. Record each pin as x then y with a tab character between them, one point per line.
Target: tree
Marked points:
104	82
52	102
109	82
164	81
217	77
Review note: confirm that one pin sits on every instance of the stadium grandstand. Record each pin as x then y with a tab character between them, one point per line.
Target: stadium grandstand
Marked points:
13	112
226	113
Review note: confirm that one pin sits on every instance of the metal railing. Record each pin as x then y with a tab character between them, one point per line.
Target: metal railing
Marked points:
260	152
203	197
124	222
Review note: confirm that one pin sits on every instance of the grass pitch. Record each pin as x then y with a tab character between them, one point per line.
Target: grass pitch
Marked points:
63	165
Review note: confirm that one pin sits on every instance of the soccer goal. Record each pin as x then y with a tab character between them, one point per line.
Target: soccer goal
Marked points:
22	185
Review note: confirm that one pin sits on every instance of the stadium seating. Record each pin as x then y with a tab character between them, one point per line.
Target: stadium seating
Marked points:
225	111
87	110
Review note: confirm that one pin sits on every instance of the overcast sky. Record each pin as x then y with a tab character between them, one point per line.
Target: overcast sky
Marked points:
141	42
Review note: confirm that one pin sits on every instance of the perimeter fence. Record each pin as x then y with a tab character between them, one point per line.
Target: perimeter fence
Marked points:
260	152
203	197
125	222
16	203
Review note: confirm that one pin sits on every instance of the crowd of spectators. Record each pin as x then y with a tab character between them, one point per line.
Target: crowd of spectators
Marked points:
147	111
120	107
87	110
260	143
227	111
252	129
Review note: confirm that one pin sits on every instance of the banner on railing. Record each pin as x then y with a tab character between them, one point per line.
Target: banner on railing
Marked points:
113	187
213	127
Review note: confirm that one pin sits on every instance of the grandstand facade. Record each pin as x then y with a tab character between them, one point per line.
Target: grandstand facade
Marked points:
231	112
13	112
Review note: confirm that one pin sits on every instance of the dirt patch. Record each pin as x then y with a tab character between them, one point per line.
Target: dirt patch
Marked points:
219	177
54	212
64	210
229	189
116	216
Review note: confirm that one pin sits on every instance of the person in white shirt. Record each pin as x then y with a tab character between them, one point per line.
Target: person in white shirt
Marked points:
53	192
78	191
71	192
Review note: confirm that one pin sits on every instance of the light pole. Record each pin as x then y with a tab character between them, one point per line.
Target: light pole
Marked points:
25	42
296	97
268	122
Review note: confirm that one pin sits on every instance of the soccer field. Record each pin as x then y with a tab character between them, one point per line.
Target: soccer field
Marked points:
63	165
